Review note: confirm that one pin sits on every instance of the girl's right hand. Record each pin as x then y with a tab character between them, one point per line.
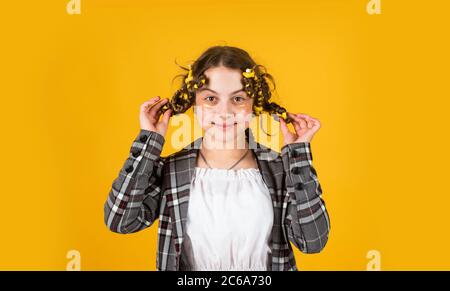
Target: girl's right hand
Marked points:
149	115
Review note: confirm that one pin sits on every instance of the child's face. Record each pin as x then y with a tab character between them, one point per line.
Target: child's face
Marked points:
222	106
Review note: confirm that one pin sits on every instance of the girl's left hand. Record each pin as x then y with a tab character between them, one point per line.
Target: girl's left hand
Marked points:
305	127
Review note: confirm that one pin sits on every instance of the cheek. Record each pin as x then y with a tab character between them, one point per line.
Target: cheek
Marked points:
246	109
204	115
245	112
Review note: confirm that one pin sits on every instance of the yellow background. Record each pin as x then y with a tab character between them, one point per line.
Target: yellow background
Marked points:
71	86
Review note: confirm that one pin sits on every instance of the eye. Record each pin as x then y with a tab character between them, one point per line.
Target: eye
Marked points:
210	98
238	99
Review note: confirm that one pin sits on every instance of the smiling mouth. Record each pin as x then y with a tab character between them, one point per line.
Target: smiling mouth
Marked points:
224	125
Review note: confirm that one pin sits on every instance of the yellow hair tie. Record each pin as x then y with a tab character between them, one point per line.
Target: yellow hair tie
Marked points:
258	110
189	77
249	73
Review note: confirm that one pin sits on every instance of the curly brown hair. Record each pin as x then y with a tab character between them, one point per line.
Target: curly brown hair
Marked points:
257	88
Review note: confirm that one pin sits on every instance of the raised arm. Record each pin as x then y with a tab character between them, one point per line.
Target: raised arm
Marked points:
307	220
134	198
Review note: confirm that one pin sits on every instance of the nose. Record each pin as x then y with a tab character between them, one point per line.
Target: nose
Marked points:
225	113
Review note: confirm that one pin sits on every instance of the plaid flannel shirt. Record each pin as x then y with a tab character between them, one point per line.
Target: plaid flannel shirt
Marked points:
151	187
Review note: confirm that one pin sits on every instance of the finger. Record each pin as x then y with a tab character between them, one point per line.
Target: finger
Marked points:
152	101
306	116
308	119
296	125
303	123
145	106
317	124
284	129
158	115
166	116
315	121
161	112
300	121
155	108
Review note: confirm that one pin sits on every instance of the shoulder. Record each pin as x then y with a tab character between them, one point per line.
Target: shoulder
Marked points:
265	153
185	153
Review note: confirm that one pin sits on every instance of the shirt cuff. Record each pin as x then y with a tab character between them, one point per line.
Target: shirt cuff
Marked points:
147	143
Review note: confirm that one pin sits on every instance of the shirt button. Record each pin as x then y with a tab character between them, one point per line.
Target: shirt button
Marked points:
295	170
143	138
129	169
299	186
135	153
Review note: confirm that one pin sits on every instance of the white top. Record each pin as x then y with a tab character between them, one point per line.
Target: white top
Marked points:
229	220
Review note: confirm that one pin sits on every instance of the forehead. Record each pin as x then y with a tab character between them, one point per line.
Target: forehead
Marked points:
223	80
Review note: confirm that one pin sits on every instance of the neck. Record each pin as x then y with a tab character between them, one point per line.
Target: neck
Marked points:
226	150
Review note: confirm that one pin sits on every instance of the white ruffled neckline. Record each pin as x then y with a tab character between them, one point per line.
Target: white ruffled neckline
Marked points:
226	173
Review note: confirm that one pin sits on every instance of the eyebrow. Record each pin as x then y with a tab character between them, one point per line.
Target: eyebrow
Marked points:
207	89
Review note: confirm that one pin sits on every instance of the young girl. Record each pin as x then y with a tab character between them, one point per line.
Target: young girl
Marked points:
222	206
